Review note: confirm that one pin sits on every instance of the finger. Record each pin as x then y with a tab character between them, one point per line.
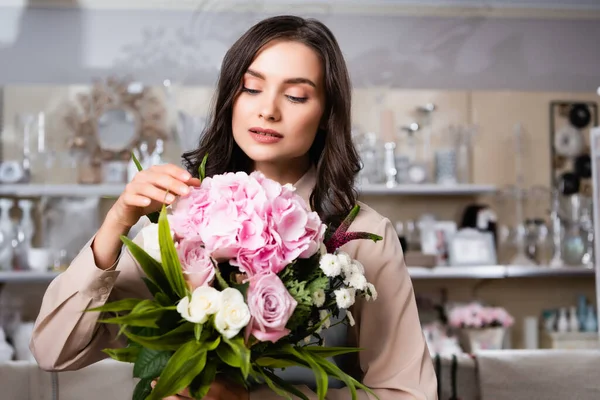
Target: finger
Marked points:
166	182
136	200
194	182
172	170
151	192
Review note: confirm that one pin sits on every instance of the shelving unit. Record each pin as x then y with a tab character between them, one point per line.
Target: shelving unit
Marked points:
114	190
426	189
62	190
497	272
416	273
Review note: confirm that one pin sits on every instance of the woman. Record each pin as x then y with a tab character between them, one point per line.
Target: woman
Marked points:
282	107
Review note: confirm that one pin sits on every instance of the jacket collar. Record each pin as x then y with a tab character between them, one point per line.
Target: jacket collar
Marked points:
306	184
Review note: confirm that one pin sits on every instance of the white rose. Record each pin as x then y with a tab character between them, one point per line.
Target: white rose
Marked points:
233	315
344	297
330	265
319	297
150	239
205	301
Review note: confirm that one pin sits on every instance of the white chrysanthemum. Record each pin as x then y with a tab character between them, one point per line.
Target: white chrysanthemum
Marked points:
344	259
370	292
353	268
330	265
344	297
350	318
357	281
319	297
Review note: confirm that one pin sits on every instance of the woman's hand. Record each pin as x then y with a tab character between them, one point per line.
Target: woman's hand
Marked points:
220	389
147	192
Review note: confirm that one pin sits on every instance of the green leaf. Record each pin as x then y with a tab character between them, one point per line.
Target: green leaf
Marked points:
327	352
202	168
136	162
170	260
271	362
334	370
152	268
219	277
125	354
320	374
277	384
142	389
118	306
187	363
201	384
198	331
150	363
171	340
152	287
146	313
242	352
228	355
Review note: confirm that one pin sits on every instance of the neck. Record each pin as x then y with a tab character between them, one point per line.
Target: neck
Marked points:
288	172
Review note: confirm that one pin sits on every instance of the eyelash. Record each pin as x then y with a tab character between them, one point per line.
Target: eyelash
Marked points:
293	99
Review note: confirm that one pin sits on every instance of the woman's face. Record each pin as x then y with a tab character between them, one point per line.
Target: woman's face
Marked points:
277	114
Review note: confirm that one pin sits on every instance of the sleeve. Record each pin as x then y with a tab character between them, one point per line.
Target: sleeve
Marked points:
395	361
65	337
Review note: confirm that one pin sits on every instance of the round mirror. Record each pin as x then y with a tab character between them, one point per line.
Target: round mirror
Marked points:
117	129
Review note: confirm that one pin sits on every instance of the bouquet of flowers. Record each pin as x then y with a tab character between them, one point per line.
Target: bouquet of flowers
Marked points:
243	278
476	316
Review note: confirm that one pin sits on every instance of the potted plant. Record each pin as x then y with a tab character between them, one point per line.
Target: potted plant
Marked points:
480	327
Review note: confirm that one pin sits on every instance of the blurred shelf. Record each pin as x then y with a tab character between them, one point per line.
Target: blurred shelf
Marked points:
66	190
498	272
426	189
114	190
26	276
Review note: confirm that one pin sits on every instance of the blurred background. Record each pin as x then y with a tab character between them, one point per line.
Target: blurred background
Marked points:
476	122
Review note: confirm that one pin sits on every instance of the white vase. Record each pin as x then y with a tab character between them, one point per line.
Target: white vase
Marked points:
474	340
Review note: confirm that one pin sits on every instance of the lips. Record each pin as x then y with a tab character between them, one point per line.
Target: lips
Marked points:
266	132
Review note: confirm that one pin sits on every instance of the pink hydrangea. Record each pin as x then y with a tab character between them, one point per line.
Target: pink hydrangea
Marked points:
250	221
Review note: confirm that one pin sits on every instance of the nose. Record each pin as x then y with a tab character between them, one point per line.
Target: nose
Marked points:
269	110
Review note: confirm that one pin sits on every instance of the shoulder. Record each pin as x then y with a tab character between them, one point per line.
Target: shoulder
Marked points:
368	219
371	221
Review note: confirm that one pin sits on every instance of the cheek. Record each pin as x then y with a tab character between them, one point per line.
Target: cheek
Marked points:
307	125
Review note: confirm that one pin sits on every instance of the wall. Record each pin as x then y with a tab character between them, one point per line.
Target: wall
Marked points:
490	71
425	50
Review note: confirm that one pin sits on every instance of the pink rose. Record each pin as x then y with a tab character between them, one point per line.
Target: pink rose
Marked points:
271	307
196	263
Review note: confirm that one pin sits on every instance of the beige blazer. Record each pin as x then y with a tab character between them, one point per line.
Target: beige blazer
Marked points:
395	361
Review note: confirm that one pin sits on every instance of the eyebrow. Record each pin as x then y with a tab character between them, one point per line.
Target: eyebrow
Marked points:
306	81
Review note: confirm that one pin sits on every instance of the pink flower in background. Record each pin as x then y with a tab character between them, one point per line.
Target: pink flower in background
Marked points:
198	269
474	315
271	306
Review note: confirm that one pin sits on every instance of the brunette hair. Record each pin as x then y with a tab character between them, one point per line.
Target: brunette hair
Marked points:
332	153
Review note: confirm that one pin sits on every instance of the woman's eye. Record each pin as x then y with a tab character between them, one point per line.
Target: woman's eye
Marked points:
251	91
295	99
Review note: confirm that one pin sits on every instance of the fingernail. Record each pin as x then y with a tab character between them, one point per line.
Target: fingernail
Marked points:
185	189
170	197
185	176
152	384
146	202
